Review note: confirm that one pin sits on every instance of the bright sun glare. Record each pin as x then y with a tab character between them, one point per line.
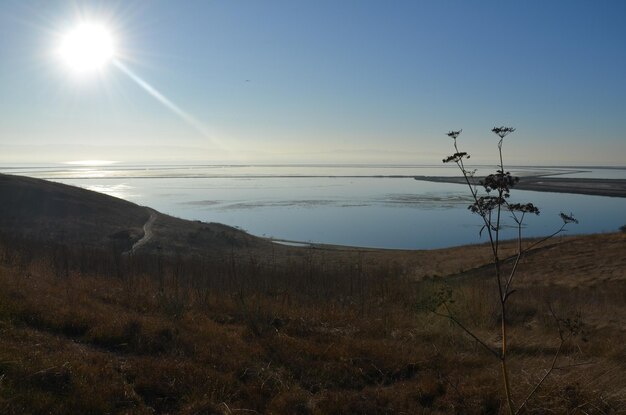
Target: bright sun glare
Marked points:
87	48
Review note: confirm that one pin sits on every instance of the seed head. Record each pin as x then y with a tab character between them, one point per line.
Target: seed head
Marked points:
454	134
502	131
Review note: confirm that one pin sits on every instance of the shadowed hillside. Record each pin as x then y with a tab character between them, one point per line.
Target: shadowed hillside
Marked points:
53	212
49	211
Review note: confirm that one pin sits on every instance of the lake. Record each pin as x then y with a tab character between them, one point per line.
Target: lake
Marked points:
364	205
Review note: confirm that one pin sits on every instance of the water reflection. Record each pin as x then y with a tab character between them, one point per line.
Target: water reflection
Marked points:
359	207
119	190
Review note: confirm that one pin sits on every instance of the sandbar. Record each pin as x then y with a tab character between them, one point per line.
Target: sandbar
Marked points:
596	187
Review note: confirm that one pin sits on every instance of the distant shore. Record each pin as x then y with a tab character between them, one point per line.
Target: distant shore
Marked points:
595	187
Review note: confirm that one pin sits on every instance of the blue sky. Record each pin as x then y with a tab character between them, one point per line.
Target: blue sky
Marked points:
319	81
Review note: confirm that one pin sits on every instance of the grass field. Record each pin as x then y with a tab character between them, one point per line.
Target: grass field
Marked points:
323	331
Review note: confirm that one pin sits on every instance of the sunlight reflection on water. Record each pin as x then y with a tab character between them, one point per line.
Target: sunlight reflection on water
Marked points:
119	190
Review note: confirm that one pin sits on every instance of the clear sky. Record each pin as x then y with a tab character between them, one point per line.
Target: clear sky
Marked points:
349	81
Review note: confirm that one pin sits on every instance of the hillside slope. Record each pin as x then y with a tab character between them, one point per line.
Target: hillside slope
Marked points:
46	211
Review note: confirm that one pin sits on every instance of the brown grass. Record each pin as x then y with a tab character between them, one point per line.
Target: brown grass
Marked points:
316	332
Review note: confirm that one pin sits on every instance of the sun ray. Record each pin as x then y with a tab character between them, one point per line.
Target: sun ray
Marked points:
90	46
185	116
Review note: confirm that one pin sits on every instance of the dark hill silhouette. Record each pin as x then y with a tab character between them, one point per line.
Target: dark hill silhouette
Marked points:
53	212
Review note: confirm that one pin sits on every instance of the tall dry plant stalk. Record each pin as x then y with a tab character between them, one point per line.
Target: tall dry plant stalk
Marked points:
491	205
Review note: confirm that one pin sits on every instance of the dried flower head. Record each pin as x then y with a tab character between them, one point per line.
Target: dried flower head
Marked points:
568	218
454	134
523	208
456	157
501	181
485	204
502	131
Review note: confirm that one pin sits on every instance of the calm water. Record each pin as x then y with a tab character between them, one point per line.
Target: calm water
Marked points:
374	206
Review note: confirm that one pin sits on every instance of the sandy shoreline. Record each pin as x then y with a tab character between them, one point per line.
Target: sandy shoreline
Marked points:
596	187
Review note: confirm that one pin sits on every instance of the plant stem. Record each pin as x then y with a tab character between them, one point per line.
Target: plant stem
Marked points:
503	296
505	371
465	329
474	192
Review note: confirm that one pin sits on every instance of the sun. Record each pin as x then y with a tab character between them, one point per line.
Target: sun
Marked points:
87	48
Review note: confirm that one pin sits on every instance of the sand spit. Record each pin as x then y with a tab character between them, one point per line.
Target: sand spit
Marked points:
597	187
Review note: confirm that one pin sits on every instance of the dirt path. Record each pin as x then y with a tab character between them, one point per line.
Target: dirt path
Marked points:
147	233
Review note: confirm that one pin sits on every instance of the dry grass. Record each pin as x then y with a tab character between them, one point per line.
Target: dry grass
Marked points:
318	332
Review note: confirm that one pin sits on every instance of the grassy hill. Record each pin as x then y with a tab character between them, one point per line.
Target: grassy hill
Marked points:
50	211
216	321
54	212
